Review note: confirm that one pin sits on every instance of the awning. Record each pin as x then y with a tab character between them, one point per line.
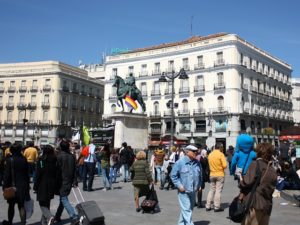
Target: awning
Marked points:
289	137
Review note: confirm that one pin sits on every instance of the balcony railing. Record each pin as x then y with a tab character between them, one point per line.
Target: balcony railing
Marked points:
47	87
1	105
155	130
11	89
199	111
10	105
186	67
184	112
91	110
245	86
199	88
20	122
155	114
8	122
82	108
83	92
156	72
155	93
219	86
185	130
91	94
219	62
75	91
22	89
167	113
168	91
45	122
144	93
66	88
45	105
32	105
254	89
219	110
21	106
246	110
34	88
200	129
1	89
143	74
31	122
74	107
199	66
183	90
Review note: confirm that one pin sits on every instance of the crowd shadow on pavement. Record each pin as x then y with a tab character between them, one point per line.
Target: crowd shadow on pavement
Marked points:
202	222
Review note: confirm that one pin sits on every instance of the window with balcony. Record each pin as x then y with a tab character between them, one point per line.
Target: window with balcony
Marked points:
184	86
220	78
1	86
156	88
23	83
9	115
45	116
200	103
199	83
168	126
157	68
21	116
10	99
22	99
200	63
46	98
130	69
144	88
220	59
220	103
12	83
32	116
171	66
185	64
156	109
144	71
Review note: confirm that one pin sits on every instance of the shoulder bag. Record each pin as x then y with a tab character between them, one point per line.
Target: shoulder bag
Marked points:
10	192
238	209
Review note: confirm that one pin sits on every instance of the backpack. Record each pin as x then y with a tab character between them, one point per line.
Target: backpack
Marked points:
85	151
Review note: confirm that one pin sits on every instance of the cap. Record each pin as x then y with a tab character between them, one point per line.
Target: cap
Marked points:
191	148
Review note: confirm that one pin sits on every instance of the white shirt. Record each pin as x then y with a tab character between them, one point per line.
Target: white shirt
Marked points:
91	157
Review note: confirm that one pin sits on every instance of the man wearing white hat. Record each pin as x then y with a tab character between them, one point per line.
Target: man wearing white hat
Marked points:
187	178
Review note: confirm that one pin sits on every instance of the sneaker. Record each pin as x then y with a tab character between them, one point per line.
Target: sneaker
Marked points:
75	221
207	209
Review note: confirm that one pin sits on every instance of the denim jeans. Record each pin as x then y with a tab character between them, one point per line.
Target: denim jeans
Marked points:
113	173
105	177
99	170
88	171
186	202
32	171
64	203
125	172
158	173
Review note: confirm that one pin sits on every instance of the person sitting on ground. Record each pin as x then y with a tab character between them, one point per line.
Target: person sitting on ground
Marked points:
141	178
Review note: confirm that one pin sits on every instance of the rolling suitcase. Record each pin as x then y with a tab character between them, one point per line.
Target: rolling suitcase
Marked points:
88	211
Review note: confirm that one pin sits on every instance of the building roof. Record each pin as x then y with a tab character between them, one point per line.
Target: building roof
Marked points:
171	44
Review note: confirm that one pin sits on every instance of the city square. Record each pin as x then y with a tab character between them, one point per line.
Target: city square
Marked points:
114	98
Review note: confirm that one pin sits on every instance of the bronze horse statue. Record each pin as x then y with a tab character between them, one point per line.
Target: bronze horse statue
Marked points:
125	89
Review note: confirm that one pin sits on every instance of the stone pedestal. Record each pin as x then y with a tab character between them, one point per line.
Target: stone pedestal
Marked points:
131	128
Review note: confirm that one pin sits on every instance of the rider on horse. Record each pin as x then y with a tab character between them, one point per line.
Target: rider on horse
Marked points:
130	81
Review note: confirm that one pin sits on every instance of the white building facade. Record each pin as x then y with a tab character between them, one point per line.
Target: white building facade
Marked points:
52	96
233	86
296	99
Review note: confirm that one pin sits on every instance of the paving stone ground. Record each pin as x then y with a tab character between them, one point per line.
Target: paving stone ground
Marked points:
118	207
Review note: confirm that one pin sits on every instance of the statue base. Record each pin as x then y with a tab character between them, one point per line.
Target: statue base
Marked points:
130	128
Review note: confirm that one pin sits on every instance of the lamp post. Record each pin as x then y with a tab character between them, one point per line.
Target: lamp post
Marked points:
163	78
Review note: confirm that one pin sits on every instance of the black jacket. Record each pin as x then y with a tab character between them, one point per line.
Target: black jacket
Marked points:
21	176
124	156
66	163
46	183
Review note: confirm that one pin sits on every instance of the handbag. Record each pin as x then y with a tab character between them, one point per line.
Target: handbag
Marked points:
29	206
10	192
238	209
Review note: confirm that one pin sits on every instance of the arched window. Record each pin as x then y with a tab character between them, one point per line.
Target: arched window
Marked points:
32	115
156	108
45	116
185	106
113	108
9	115
21	115
220	103
243	125
200	104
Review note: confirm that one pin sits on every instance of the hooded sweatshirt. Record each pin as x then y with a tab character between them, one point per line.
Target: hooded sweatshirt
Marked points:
244	147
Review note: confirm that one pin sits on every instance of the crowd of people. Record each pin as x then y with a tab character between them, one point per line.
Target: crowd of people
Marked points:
55	170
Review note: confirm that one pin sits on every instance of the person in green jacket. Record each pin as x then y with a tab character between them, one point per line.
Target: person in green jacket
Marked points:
142	178
105	166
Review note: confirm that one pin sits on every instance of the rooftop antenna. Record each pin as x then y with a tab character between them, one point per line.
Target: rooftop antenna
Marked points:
192	17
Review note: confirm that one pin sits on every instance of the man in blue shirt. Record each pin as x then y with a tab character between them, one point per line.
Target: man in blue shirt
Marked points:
187	178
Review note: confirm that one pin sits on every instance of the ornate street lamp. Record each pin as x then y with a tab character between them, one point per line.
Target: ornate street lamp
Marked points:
164	78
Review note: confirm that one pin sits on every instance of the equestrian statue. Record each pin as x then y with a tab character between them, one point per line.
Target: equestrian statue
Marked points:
128	88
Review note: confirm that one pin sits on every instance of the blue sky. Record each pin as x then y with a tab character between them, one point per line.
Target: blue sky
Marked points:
73	30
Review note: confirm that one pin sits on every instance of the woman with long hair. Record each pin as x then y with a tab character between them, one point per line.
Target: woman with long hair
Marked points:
105	166
16	174
46	183
261	203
